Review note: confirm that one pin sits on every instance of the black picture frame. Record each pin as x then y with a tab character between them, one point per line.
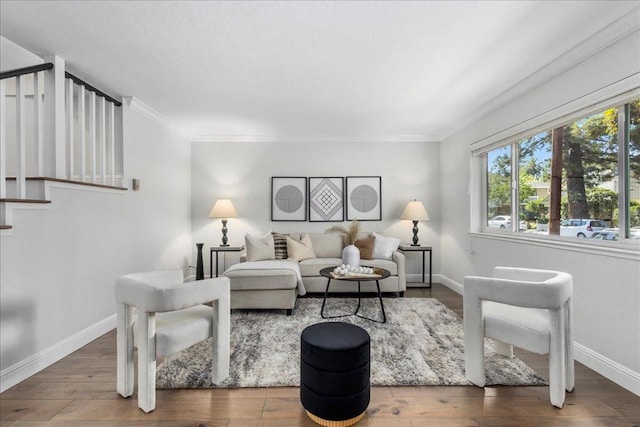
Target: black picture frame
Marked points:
289	198
326	199
363	198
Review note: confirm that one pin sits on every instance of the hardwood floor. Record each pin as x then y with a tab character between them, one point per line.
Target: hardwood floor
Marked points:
80	391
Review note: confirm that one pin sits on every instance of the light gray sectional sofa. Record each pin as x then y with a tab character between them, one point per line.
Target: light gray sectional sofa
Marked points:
275	284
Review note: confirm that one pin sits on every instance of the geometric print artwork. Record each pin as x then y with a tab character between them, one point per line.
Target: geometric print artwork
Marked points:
288	198
326	199
363	198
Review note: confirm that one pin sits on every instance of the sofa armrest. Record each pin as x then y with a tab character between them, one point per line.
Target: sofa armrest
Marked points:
398	258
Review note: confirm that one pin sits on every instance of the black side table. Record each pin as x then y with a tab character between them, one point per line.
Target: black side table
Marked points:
218	249
423	249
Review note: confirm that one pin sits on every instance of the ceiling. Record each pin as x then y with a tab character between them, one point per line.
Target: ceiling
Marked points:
380	71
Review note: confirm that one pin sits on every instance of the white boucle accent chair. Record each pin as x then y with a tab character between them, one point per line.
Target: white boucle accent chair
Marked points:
531	309
181	321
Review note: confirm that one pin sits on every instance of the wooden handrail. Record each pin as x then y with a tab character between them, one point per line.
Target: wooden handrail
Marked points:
26	70
98	92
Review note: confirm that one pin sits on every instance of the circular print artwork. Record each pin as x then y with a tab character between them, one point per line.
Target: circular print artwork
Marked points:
289	199
364	198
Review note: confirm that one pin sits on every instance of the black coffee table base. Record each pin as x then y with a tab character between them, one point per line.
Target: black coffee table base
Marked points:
356	313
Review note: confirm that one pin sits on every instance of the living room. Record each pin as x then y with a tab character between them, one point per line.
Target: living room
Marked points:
58	266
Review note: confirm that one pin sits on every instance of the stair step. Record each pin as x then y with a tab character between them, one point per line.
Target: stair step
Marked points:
10	200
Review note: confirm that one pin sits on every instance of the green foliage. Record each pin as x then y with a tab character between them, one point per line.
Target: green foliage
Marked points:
499	194
602	202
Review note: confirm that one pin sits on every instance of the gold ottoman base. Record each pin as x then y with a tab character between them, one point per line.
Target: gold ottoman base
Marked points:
332	423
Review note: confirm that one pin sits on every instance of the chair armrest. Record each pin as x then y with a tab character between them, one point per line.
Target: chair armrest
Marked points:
399	258
549	294
153	298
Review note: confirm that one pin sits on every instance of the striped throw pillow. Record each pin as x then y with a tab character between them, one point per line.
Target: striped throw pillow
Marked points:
280	243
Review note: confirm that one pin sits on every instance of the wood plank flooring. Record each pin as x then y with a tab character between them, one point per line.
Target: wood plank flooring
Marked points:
80	391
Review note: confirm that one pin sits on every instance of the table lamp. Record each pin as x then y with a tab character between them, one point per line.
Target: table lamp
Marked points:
415	212
223	209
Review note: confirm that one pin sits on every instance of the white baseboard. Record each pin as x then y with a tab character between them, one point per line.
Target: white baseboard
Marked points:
608	368
452	284
34	364
414	280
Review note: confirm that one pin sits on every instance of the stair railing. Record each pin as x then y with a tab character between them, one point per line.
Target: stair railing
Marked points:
81	139
18	80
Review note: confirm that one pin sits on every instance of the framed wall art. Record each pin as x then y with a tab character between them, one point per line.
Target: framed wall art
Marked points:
288	198
364	198
326	199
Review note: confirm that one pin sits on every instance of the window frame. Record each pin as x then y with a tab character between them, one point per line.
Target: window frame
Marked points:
480	155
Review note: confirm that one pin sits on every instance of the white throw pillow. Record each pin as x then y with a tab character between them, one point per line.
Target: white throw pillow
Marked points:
384	247
259	246
299	250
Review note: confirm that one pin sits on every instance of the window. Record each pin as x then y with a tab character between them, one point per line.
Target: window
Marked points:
499	188
578	180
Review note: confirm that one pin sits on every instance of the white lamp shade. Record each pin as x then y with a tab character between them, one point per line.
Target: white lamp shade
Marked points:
415	211
223	209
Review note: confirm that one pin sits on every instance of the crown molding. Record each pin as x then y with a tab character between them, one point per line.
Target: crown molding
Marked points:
317	139
138	106
615	31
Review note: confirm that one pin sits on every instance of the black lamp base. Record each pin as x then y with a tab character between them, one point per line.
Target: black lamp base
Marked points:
224	233
415	234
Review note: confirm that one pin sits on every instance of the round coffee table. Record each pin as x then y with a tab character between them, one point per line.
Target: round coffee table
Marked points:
381	273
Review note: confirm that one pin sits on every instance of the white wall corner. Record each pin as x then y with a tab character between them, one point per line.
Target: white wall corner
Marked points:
32	365
140	107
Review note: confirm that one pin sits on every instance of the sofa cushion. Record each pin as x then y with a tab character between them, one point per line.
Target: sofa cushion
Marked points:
242	280
327	245
300	250
312	267
259	246
384	246
366	247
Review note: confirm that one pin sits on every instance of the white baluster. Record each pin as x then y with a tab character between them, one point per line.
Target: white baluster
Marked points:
37	117
83	132
70	129
103	139
112	144
3	140
55	152
92	134
21	180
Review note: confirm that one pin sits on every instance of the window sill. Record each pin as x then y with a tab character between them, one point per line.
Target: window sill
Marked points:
629	249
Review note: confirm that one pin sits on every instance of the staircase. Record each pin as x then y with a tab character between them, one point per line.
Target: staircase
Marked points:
55	130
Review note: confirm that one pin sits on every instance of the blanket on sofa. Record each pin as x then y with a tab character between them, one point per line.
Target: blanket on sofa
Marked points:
271	265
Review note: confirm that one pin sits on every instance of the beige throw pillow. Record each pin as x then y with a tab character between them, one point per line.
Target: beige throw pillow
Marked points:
301	250
259	247
366	247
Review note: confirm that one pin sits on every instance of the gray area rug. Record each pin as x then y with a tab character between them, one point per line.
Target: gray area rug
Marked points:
422	343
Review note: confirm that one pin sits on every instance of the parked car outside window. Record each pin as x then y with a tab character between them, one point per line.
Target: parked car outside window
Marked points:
504	221
606	234
581	228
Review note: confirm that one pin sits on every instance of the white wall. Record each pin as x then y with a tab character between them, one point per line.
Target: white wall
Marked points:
243	171
606	287
59	265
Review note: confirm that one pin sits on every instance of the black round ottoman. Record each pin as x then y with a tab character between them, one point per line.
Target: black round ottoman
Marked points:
334	373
